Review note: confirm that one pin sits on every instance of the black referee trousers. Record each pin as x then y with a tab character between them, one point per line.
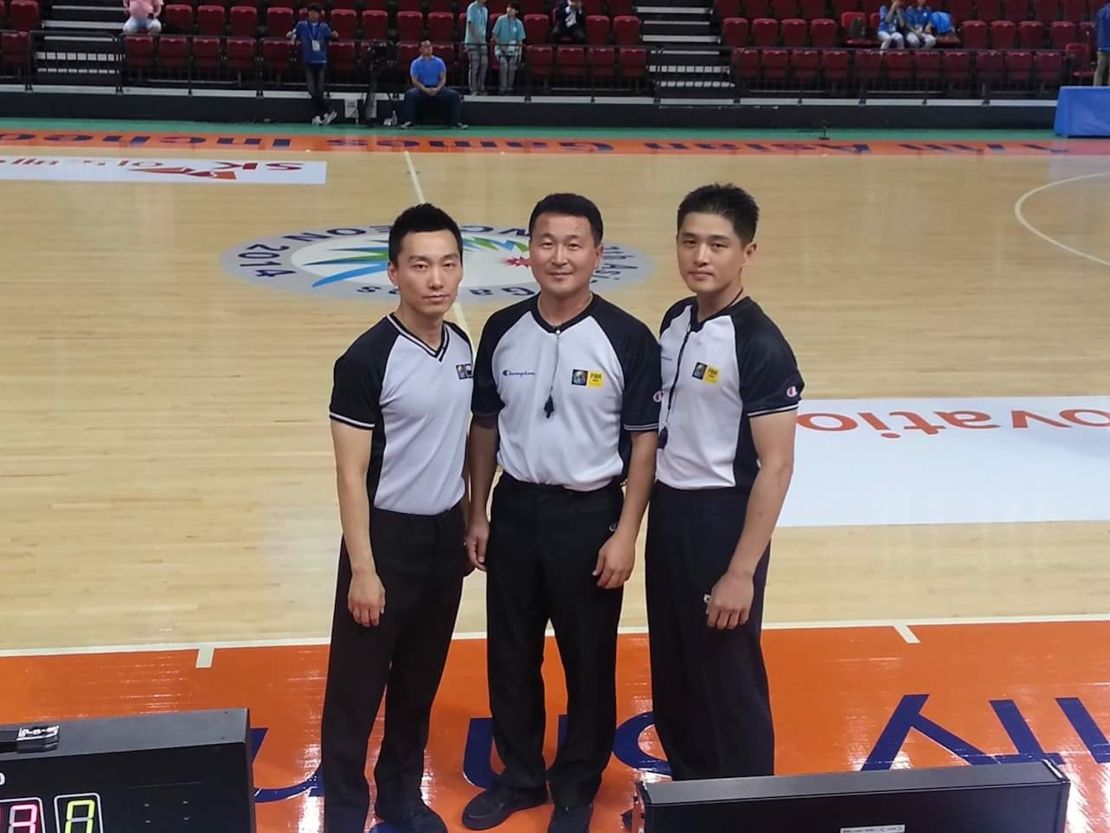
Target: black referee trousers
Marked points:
709	687
421	561
543	548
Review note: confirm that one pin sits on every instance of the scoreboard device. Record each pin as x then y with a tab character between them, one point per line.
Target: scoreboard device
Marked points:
1028	797
184	772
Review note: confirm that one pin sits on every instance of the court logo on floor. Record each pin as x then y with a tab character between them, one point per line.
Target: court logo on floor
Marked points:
352	261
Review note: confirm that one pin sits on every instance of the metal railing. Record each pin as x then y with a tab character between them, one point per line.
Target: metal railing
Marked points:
192	62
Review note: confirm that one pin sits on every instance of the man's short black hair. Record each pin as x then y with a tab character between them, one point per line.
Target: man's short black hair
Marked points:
316	7
570	205
420	218
514	4
728	201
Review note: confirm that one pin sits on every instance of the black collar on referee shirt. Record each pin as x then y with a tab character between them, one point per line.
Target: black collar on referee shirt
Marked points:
696	325
435	354
566	325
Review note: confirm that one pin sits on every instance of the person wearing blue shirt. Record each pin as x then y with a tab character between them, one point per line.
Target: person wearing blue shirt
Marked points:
477	54
429	84
508	38
314	37
940	23
1102	29
891	23
917	22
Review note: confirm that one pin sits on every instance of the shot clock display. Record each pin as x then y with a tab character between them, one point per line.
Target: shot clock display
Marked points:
71	814
167	773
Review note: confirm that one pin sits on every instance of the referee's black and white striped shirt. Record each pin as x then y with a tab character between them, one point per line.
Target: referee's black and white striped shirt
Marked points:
718	375
601	373
417	403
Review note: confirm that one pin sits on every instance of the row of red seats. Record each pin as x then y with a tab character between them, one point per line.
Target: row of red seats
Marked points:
612	8
957	68
13	50
243	21
1046	11
21	15
975	34
276	57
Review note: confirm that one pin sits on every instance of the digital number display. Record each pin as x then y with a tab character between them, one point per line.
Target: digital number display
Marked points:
72	814
78	813
21	815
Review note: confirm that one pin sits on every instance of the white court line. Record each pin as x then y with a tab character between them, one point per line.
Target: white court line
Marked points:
1019	214
311	641
205	655
907	634
456	308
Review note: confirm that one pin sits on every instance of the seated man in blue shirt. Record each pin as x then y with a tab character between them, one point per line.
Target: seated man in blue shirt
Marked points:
429	79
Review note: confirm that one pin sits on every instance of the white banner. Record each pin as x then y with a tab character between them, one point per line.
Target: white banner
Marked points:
877	462
146	170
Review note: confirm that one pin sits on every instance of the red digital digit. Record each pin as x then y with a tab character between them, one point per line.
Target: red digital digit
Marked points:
24	818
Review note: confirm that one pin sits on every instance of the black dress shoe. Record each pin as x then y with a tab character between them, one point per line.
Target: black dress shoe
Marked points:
491	808
571	819
416	817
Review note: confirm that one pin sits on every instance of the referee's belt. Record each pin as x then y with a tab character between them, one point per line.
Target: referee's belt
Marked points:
553	488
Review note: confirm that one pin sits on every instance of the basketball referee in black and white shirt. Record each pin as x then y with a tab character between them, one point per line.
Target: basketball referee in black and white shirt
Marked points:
400	408
565	397
731	390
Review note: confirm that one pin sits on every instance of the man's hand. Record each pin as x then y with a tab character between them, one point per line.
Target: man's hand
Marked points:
615	561
366	598
730	603
477	537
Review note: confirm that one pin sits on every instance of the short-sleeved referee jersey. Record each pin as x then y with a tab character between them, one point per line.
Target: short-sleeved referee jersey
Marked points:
417	403
717	375
567	397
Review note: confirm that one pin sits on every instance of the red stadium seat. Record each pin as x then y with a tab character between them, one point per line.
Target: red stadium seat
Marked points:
277	55
598	30
960	10
812	9
822	32
242	54
570	62
1019	68
342	58
745	66
375	24
926	67
344	23
735	31
989	67
795	33
177	17
1003	34
955	67
784	9
626	30
1048	11
975	34
754	9
603	62
988	10
23	15
410	26
1031	34
211	20
173	52
539	62
775	64
207	54
765	32
869	66
1048	68
538	27
138	49
1061	33
1016	10
633	62
725	9
279	21
835	66
805	66
441	27
244	21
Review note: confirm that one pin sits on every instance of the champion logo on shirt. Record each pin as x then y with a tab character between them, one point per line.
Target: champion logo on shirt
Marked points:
792	391
465	371
518	373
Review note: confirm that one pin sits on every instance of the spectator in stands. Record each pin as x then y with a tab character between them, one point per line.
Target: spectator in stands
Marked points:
940	24
143	17
429	86
891	24
570	22
508	39
477	53
1102	27
918	18
314	36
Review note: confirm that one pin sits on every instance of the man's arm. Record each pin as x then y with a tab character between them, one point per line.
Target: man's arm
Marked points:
482	457
618	556
731	600
366	598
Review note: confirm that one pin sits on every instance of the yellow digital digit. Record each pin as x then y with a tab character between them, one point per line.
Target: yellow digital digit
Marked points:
80	816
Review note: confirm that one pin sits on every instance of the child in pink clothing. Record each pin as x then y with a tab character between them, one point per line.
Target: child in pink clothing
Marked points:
143	17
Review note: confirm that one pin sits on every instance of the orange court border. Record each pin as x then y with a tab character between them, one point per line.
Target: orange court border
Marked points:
371	142
846	697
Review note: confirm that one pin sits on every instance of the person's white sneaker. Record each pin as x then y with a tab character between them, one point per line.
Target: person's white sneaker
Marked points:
330	117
